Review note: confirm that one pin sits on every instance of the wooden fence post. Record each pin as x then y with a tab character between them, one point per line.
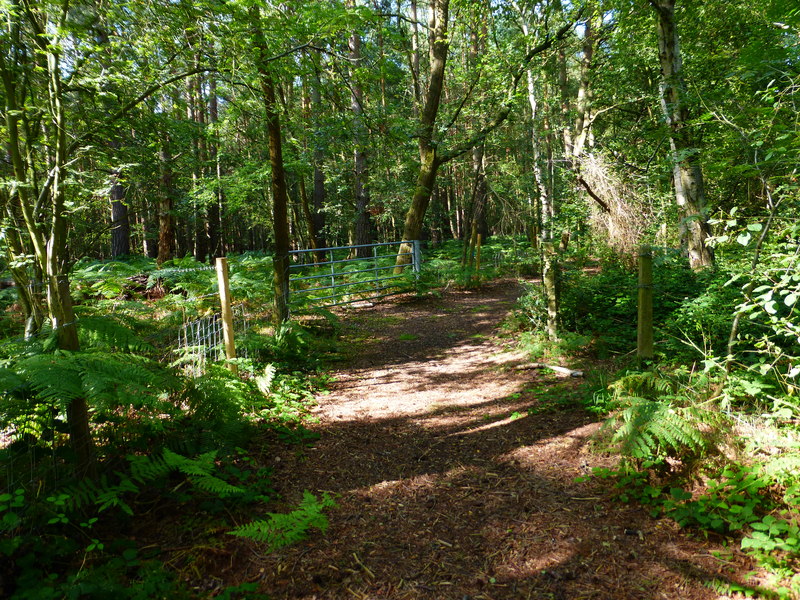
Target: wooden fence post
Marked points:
644	334
227	312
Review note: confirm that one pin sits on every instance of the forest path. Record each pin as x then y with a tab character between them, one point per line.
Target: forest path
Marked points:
454	471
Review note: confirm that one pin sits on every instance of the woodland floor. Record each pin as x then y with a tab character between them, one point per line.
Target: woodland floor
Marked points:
453	467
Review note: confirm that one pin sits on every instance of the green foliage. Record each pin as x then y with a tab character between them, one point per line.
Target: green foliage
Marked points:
729	503
531	308
38	388
108	279
109	334
69	540
280	530
649	429
736	501
103	494
693	310
772	534
220	396
658	417
45	531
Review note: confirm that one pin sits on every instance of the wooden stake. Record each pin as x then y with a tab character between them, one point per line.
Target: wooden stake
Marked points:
227	313
478	255
644	336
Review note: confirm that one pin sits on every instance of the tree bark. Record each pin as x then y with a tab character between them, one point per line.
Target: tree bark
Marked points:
280	201
318	194
550	284
431	157
49	239
686	170
166	220
428	160
120	221
363	234
582	117
215	231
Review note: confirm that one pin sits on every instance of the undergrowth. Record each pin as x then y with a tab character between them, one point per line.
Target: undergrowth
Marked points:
177	455
706	433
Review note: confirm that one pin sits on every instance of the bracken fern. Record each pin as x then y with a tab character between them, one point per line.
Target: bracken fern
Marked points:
657	417
281	529
105	494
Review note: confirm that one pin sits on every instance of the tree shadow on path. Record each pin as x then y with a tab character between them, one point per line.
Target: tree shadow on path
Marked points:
470	494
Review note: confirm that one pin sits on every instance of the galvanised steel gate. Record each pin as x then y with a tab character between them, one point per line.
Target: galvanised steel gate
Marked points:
344	278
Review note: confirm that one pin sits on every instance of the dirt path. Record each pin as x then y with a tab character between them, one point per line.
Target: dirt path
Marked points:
454	472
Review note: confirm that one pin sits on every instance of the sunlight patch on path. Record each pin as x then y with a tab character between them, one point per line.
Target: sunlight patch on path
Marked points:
464	377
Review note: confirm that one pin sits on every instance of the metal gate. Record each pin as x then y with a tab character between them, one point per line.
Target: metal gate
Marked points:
344	279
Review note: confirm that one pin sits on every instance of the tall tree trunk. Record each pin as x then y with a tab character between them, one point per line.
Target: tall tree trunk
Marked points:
120	221
416	86
215	237
543	220
149	230
451	211
540	218
28	285
280	202
49	240
582	114
566	131
318	194
686	170
363	234
166	219
201	248
428	160
431	157
308	217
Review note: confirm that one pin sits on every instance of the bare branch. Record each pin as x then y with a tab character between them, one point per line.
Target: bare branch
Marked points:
594	196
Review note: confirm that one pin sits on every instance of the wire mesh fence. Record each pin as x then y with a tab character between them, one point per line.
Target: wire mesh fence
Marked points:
201	340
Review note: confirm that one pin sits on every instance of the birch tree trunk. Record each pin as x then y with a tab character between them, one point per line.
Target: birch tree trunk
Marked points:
686	170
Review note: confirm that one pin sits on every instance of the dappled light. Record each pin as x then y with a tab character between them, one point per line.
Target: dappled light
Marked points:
456	477
400	300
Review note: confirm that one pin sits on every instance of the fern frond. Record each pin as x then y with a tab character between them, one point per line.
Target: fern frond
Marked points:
101	493
264	382
148	468
643	384
14	401
649	428
218	395
198	470
216	486
281	529
202	465
108	333
53	377
106	380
